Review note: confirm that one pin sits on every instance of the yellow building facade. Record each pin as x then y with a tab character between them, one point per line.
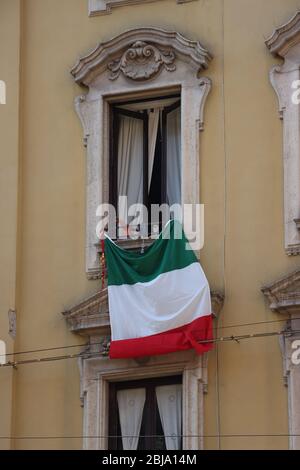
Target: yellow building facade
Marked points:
243	395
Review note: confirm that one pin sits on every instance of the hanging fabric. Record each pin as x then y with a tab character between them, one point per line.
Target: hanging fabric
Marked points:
131	406
169	400
130	162
174	157
153	116
102	263
159	300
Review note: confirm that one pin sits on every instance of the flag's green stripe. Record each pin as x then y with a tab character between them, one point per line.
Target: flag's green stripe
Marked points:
164	255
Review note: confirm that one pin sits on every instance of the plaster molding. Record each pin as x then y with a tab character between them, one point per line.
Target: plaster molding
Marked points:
104	7
181	75
285	44
101	58
283	297
293	250
285	36
297	222
83	117
91	316
96	373
217	302
141	61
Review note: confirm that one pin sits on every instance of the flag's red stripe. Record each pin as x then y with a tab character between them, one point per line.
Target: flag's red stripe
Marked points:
178	339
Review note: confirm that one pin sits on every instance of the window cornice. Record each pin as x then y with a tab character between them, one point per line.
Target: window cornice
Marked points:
160	49
104	7
285	37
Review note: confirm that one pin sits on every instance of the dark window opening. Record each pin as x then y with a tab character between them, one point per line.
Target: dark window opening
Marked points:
145	153
151	436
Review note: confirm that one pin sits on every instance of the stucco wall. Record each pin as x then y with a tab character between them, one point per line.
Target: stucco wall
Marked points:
241	185
9	193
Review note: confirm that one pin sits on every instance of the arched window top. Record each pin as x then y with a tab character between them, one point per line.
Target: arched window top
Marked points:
140	54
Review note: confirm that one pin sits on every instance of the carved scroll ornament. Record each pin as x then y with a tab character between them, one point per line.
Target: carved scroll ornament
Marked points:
142	61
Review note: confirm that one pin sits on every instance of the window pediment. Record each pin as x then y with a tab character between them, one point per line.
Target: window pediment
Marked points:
284	294
103	7
140	54
285	36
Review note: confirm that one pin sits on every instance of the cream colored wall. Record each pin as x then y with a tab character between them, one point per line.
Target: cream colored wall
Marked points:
253	399
9	192
241	180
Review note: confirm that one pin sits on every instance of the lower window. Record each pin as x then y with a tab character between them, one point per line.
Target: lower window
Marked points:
146	414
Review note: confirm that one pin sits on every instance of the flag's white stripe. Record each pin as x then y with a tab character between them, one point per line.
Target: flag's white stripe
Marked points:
171	300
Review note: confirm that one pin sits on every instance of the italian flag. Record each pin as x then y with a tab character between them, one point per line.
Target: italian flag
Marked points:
159	300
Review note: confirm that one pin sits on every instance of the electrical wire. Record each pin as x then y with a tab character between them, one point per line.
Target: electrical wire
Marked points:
238	325
87	355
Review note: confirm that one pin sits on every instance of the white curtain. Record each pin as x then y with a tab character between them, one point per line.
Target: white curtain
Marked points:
169	399
131	405
130	157
174	157
152	137
130	162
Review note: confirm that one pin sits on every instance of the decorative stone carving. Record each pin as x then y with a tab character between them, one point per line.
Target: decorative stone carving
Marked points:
187	59
284	295
141	61
217	302
297	222
285	43
95	63
91	316
83	119
285	37
284	298
102	7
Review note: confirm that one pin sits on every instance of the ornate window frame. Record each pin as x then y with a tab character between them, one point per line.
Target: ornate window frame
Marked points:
97	373
103	7
283	297
285	43
113	70
90	318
